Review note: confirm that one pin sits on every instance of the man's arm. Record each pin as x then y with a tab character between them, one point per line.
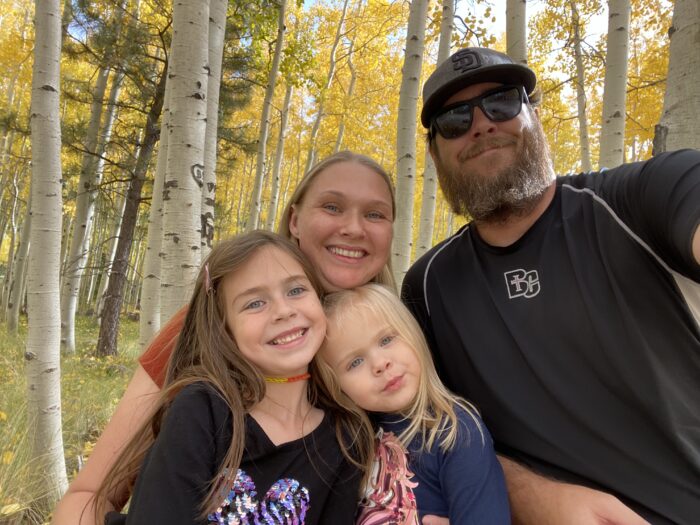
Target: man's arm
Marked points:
537	500
77	505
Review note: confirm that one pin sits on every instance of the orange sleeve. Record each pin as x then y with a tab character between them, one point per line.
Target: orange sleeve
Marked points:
155	359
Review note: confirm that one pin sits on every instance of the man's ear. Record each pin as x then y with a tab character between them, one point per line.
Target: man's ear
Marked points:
293	227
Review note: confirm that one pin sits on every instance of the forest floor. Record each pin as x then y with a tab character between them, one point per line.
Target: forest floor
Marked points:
90	390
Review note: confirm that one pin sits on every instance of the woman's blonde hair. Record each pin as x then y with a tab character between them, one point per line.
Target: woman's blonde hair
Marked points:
385	276
207	352
432	413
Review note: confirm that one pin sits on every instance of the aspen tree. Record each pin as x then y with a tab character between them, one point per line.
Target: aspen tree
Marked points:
347	98
679	126
612	131
580	88
406	138
88	183
516	30
427	213
43	365
255	201
279	156
149	320
182	193
311	156
217	28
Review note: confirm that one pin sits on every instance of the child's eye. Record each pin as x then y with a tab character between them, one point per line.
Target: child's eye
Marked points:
355	363
297	290
253	305
386	340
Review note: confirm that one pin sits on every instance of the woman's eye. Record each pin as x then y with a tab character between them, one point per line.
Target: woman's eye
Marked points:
375	215
355	363
386	340
297	290
333	208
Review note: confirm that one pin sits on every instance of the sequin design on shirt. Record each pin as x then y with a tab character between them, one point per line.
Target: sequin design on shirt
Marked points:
285	503
389	497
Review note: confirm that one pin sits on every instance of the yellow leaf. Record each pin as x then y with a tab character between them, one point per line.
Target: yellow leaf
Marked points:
7	457
3	416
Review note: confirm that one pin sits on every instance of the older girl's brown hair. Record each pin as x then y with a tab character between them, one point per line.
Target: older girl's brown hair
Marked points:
206	352
385	276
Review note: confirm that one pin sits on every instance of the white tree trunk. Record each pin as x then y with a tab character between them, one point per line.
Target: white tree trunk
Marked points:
43	364
279	156
84	216
580	91
612	131
427	212
679	126
217	28
5	295
348	99
311	156
149	320
182	194
19	273
516	30
255	201
406	138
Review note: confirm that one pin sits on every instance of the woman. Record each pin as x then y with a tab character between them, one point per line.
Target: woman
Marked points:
341	215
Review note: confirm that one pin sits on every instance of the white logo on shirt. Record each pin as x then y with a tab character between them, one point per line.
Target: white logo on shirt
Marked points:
521	283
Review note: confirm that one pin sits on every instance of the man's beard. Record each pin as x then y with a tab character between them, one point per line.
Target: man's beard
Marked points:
494	197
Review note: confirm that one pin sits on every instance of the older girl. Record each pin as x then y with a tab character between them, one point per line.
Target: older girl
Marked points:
243	431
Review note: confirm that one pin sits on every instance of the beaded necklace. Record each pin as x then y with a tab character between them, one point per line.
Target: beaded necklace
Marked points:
292	379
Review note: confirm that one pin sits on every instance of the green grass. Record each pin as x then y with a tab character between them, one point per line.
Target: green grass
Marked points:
90	390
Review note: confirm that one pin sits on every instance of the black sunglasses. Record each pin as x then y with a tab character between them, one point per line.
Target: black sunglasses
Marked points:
499	104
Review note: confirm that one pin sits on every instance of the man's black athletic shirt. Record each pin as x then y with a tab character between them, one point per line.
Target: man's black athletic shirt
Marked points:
578	342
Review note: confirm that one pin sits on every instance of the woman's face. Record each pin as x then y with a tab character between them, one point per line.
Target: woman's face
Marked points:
344	225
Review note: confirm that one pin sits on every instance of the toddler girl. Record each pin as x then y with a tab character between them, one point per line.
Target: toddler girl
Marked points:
375	357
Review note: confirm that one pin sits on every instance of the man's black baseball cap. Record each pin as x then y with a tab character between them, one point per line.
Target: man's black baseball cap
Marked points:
467	66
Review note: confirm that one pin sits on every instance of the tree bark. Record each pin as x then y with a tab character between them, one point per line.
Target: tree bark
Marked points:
580	91
18	275
182	198
44	337
612	131
109	327
406	138
255	201
84	216
348	98
429	198
516	31
217	27
279	156
679	126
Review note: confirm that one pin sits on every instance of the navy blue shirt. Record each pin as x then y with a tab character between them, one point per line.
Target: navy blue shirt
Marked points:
466	483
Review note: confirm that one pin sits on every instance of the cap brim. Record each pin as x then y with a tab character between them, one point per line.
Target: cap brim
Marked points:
501	73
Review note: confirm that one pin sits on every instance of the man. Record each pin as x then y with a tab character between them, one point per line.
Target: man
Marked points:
568	308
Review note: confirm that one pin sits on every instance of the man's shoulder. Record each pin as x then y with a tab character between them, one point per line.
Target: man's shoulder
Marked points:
437	254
